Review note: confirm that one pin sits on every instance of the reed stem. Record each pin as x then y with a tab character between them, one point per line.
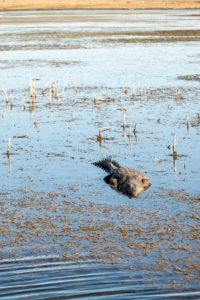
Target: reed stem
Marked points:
174	144
8	148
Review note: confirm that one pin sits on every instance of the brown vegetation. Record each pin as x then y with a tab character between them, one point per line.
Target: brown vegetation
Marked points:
101	4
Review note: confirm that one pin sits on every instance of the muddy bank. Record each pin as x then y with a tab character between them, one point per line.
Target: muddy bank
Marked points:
89	4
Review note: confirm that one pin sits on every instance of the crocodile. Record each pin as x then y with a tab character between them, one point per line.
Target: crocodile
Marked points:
124	179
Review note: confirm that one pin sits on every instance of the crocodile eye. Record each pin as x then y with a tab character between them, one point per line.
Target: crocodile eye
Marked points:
144	180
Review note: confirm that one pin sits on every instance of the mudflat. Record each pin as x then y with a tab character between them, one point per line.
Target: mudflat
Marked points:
6	5
75	87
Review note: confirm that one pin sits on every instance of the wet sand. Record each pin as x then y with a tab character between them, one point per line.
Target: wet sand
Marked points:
6	5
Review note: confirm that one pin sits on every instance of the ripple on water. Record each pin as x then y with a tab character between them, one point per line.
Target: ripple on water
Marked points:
54	278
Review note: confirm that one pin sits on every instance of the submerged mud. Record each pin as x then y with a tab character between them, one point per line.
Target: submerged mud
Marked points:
72	213
153	241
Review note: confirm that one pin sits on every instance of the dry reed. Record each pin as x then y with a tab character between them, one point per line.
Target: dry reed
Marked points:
108	93
46	86
124	119
134	130
11	101
32	91
188	126
129	133
133	92
64	87
8	148
174	154
5	93
36	123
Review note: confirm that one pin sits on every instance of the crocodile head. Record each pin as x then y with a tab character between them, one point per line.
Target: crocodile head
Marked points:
133	187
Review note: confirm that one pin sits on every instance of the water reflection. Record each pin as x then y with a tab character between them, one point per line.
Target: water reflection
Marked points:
9	163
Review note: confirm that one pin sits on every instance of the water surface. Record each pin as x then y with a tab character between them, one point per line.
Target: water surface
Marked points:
64	232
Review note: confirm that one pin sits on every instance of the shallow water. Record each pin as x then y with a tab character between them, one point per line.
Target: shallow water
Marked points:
50	278
64	232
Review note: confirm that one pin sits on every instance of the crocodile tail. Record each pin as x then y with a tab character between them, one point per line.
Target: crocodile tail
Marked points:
107	164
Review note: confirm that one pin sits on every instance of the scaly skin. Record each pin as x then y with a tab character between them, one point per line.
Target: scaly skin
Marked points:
123	179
